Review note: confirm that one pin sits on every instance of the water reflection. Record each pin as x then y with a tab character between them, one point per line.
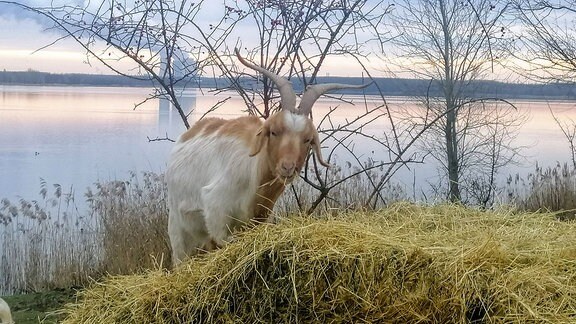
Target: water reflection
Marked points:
168	117
75	136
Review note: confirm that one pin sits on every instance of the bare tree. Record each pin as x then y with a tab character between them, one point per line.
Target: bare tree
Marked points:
547	39
547	47
146	33
171	44
452	43
568	128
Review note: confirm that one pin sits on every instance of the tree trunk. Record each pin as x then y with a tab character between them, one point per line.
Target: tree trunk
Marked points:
451	111
452	154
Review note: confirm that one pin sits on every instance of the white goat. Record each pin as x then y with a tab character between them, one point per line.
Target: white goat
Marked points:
5	315
225	174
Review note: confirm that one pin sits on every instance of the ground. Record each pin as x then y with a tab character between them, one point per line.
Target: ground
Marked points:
33	307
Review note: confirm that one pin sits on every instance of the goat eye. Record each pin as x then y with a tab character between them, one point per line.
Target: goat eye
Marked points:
273	133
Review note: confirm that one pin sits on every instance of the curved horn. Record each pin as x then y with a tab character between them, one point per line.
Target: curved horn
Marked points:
287	94
313	92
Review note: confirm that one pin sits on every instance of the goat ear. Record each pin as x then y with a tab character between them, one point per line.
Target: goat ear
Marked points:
258	141
316	149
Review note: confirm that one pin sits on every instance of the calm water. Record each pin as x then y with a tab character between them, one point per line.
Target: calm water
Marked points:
75	136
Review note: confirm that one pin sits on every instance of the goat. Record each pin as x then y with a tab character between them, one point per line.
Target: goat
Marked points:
225	174
5	315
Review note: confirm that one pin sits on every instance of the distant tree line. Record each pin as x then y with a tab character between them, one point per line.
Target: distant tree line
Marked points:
389	86
31	77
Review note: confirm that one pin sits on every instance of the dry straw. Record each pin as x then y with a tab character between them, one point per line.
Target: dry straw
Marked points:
404	264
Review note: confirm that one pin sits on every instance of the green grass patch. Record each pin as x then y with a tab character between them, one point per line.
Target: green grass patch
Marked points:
40	307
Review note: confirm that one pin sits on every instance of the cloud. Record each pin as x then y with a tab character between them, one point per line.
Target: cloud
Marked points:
13	10
27	31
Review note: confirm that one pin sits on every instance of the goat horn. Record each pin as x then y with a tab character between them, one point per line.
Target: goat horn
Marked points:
287	94
313	92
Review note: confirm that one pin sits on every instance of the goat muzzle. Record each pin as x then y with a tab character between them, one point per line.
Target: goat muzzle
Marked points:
287	169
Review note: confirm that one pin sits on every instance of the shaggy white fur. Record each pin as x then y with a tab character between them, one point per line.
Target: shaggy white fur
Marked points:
209	198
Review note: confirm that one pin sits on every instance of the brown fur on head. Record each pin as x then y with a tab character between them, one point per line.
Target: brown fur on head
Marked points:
287	138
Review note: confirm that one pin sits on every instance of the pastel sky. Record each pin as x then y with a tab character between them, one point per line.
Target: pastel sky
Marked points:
23	33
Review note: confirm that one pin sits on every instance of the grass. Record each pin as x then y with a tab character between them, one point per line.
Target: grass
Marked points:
40	307
403	264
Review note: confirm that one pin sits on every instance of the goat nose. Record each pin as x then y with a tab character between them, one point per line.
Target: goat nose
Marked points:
288	166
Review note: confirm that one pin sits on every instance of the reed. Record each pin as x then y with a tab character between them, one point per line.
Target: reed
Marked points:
349	185
52	243
545	189
132	219
45	243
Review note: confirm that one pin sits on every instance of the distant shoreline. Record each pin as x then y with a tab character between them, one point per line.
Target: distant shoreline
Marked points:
389	86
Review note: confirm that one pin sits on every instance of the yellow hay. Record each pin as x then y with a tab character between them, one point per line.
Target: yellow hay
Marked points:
404	264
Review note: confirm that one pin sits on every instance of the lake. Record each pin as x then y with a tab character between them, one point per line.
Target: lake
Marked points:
75	136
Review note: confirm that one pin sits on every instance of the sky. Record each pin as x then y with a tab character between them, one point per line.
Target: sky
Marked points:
23	33
23	39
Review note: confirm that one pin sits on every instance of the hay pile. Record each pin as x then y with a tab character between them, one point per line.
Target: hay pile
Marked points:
405	264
